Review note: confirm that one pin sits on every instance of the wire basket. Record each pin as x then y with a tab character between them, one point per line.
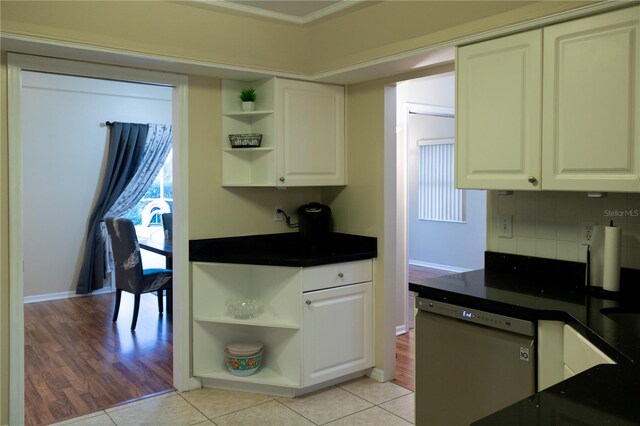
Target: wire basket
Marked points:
245	140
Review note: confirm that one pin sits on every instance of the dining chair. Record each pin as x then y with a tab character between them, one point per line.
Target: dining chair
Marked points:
167	225
130	275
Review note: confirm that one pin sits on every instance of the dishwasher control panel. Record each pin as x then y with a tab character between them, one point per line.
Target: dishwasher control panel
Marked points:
476	316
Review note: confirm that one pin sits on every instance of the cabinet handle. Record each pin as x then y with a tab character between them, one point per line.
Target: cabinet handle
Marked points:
308	302
281	178
532	180
340	274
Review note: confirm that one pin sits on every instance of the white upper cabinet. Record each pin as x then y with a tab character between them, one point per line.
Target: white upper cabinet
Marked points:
552	109
310	128
591	110
302	127
498	113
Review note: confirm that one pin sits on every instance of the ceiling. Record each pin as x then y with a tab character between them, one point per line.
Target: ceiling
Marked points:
297	11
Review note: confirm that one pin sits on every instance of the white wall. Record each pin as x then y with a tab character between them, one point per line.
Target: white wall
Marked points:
64	146
440	244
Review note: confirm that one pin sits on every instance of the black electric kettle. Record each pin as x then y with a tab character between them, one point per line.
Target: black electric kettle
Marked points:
314	221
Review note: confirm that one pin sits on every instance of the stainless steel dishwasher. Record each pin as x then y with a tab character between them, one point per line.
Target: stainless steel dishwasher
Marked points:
469	363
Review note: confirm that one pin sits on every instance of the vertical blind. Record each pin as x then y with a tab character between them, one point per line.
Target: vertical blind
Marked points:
438	199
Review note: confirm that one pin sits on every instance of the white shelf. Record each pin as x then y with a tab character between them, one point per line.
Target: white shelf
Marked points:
249	166
244	150
264	376
248	113
261	321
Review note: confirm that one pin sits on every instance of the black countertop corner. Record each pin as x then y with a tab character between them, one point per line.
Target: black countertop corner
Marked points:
542	289
286	249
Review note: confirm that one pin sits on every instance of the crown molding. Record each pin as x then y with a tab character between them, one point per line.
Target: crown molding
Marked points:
300	20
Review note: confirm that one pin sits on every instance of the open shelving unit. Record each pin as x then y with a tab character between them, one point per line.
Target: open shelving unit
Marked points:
277	328
249	166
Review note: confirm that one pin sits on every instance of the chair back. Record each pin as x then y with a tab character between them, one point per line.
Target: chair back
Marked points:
126	254
167	224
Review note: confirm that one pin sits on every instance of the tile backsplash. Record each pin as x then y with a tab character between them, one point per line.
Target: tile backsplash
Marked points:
549	224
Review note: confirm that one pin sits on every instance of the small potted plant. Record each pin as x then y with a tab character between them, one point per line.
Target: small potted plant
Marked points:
248	98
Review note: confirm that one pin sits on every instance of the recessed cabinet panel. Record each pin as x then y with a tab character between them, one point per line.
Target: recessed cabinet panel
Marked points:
591	103
337	332
498	113
311	129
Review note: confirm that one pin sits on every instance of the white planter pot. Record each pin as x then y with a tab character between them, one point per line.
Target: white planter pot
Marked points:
248	106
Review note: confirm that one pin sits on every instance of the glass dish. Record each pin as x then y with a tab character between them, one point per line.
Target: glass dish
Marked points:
244	308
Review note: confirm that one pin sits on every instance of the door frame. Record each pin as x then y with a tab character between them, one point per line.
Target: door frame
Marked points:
403	201
16	63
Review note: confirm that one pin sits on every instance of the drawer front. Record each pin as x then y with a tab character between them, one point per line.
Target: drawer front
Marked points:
336	274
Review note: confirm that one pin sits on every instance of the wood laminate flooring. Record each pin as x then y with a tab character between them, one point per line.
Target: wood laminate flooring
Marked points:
77	361
405	343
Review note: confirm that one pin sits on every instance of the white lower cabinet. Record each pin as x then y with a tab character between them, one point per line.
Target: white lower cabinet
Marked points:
580	354
308	338
563	353
338	332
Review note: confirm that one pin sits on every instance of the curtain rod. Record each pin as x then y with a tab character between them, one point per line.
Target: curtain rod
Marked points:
110	123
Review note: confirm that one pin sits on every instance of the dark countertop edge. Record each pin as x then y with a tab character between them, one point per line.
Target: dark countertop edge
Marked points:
287	262
526	313
259	250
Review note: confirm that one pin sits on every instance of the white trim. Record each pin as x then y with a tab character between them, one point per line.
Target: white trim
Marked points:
281	16
64	295
439	266
377	374
391	249
181	352
16	252
401	329
426	109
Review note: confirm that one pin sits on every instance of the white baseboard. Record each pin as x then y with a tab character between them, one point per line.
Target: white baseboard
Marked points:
438	266
64	295
376	374
401	329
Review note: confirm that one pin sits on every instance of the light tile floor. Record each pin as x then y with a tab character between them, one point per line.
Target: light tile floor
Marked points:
361	401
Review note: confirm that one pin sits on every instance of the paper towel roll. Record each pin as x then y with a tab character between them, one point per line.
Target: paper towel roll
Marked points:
611	260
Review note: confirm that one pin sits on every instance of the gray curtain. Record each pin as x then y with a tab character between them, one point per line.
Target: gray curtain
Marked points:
155	153
126	145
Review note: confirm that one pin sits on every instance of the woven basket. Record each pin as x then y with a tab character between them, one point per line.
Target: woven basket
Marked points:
245	140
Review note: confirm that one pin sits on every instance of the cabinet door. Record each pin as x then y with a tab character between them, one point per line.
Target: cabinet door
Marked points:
580	354
498	113
310	134
591	106
337	332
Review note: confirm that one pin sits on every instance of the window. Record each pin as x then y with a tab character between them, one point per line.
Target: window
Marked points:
438	199
157	200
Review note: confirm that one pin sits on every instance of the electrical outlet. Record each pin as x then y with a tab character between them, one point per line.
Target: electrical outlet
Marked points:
277	214
505	226
587	232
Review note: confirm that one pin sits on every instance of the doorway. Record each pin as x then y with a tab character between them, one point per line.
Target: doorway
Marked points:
87	362
178	84
431	242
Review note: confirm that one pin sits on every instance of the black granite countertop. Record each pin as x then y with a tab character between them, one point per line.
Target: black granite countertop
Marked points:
286	249
536	289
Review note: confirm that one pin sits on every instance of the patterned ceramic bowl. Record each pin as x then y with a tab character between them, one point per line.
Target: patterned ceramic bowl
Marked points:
243	366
